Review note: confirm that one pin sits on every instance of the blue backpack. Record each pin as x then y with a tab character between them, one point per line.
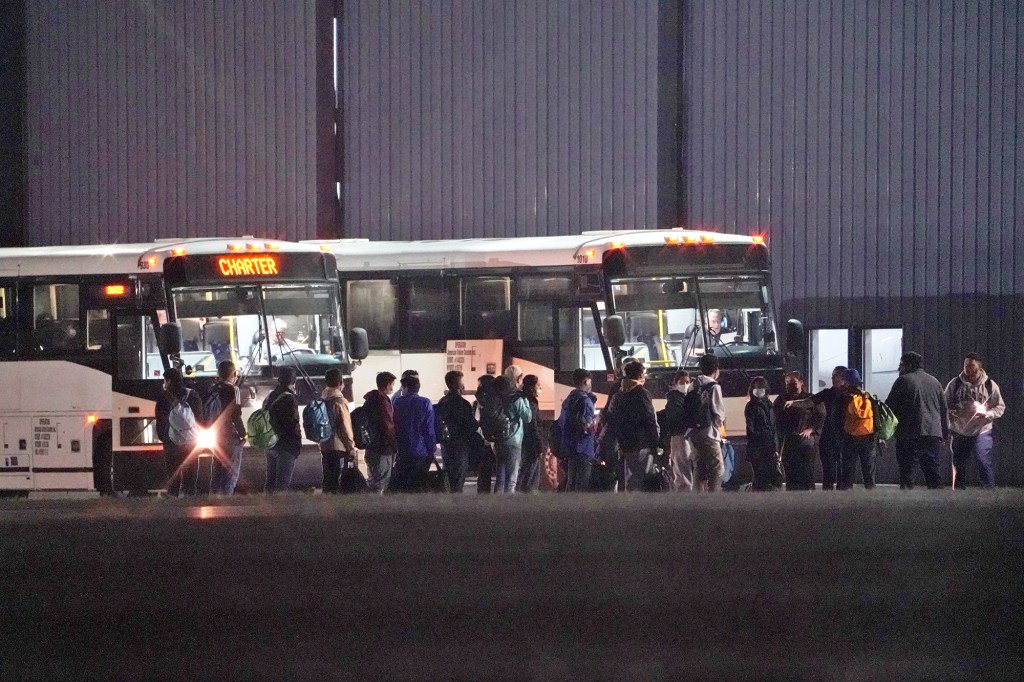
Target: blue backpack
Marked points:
316	421
212	406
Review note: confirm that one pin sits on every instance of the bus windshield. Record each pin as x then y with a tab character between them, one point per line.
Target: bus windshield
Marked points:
257	326
671	321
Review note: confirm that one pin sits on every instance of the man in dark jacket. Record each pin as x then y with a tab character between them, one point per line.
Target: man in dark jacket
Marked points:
229	428
283	406
181	478
919	402
578	444
414	428
632	419
831	443
381	452
455	421
799	428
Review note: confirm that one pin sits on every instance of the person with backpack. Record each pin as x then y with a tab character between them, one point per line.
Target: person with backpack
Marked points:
534	438
632	420
223	410
456	431
503	419
679	447
576	431
919	402
176	411
485	465
762	437
340	444
799	426
414	428
382	449
857	443
974	402
705	411
282	405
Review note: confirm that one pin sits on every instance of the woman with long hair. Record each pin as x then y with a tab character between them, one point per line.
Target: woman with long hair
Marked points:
762	437
534	441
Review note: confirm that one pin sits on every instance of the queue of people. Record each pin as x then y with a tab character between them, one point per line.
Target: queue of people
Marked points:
501	432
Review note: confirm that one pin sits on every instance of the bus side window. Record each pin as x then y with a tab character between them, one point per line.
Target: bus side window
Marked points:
372	304
487	307
97	330
55	322
8	324
137	354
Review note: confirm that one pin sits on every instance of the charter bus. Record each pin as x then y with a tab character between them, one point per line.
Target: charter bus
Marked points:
86	333
552	304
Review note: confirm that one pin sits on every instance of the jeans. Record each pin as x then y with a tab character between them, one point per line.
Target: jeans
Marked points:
798	457
181	473
331	461
924	449
280	465
577	478
830	454
978	448
857	451
709	464
506	470
227	472
680	458
379	466
529	473
765	463
456	463
637	465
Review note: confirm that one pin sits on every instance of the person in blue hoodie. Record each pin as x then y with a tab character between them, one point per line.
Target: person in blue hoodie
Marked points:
509	450
577	426
414	430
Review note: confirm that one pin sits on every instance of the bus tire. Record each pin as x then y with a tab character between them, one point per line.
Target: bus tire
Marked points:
103	459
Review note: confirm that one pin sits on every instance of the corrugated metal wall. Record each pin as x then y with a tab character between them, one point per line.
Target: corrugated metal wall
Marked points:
498	118
879	145
12	122
161	119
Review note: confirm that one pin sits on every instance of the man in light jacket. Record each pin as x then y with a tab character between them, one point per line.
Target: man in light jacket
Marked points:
919	403
707	441
974	402
341	444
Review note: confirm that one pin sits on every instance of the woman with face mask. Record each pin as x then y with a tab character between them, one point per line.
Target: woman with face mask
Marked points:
762	437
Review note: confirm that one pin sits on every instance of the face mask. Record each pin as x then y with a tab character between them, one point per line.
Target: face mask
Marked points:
683	388
759	392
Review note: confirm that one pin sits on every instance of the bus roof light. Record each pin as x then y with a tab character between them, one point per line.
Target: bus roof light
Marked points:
707	239
617	245
690	239
326	248
672	239
236	247
115	290
178	252
252	247
270	246
91	419
758	239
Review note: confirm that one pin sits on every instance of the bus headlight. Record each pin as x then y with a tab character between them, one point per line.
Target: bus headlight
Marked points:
207	439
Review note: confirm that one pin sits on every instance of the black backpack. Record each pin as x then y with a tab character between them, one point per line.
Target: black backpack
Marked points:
495	420
362	431
695	412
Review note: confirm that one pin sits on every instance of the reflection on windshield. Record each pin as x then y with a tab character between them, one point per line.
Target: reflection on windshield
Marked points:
228	324
665	327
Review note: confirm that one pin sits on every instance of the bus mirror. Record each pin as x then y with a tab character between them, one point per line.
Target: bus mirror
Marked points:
796	338
614	331
170	338
358	344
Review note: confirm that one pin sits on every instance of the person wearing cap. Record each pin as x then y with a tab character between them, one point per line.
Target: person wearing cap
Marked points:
975	401
280	344
919	403
854	449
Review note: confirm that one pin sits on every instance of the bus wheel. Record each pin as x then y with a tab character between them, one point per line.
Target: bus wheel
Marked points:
103	462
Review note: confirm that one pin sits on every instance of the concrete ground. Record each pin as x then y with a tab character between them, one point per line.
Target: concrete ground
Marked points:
850	586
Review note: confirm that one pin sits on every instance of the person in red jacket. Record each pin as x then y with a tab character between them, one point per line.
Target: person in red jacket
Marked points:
380	455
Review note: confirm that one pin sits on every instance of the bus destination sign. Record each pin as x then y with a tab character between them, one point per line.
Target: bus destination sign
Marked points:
247	266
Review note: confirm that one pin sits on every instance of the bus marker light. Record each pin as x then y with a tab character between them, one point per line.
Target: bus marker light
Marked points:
591	253
672	240
236	247
272	247
707	238
758	239
253	247
690	239
325	248
178	252
91	419
617	245
115	290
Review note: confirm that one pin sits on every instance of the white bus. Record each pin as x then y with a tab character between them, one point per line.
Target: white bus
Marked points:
481	304
81	357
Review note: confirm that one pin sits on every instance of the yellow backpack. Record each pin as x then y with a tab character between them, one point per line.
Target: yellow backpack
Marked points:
859	419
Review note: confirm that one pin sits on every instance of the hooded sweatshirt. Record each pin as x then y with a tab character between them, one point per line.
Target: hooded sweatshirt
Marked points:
632	418
717	406
963	397
341	422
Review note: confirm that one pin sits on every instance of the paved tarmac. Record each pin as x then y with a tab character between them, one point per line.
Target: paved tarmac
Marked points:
848	586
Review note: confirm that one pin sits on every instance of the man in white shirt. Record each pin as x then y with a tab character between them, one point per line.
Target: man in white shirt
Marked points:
280	344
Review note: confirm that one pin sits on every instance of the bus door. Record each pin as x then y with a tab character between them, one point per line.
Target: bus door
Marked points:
580	343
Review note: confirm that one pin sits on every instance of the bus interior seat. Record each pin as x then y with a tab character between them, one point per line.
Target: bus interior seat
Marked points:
189	334
644	329
218	338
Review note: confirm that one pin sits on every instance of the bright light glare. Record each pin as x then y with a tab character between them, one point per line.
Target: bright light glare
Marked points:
207	439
